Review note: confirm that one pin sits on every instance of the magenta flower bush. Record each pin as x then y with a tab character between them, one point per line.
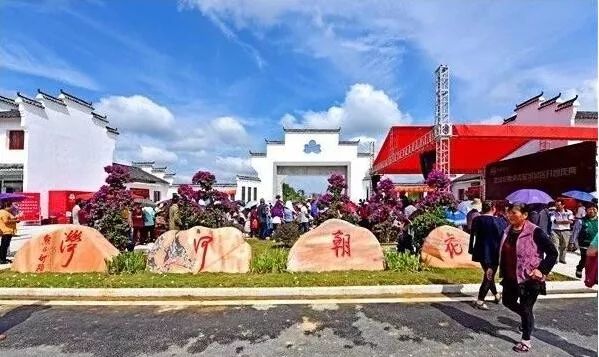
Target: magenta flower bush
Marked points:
441	195
335	203
107	209
216	204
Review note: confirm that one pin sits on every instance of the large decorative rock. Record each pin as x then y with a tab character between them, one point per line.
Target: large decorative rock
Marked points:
65	248
201	249
447	247
336	245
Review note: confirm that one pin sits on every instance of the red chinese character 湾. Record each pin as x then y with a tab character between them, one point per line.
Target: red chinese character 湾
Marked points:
72	239
202	242
341	242
452	247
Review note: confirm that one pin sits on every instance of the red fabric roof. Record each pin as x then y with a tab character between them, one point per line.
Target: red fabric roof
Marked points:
472	146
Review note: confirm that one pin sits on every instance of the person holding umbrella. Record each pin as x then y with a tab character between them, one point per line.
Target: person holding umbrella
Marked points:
8	228
526	256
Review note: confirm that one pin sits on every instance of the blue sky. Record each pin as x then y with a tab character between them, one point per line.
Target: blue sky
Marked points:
195	84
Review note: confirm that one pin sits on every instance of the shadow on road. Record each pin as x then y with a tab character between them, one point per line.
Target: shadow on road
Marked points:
18	315
552	339
473	322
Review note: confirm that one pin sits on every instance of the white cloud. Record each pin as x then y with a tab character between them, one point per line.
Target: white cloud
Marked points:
161	156
232	164
228	128
497	59
137	114
365	112
587	95
495	119
36	60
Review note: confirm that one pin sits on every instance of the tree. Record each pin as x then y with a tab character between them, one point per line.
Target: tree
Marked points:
290	194
335	203
108	206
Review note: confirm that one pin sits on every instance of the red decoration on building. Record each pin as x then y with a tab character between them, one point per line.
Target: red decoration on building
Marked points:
72	239
341	243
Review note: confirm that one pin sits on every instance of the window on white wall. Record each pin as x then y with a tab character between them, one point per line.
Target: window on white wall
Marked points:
243	193
250	194
156	196
255	193
16	140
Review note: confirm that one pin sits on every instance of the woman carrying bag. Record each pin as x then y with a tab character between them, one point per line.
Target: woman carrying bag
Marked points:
526	256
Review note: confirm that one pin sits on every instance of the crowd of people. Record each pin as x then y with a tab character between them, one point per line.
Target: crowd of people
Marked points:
524	242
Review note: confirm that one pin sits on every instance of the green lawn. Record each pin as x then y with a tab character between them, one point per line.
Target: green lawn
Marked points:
205	280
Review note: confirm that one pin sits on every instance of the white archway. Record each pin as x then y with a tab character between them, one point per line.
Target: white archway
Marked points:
311	152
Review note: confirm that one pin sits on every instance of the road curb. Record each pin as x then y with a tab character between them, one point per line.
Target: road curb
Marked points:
296	292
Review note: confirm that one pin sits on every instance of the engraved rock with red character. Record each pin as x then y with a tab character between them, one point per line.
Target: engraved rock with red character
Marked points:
64	248
200	249
336	245
447	247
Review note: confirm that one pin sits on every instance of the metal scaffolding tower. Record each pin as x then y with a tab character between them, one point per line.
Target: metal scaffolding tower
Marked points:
443	127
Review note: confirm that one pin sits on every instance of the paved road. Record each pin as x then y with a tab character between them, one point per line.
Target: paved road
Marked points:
565	327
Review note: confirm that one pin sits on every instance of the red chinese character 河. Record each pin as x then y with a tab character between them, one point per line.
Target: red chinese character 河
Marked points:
202	242
452	247
72	239
341	242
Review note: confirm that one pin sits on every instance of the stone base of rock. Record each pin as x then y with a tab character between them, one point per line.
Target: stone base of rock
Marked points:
66	248
200	249
447	247
336	245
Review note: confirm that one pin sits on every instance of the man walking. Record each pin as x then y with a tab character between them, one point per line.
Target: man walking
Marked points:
562	222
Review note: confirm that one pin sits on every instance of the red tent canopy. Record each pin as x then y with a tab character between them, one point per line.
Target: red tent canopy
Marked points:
472	147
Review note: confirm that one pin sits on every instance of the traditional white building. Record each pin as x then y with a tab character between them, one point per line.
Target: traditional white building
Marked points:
148	180
310	152
534	111
53	143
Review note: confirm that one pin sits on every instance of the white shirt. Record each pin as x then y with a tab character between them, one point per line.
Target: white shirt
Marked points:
566	215
75	214
304	218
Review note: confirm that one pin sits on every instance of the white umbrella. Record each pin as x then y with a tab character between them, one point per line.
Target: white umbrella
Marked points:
251	204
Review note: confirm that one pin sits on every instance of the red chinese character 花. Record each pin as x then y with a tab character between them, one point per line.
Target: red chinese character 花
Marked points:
452	247
341	243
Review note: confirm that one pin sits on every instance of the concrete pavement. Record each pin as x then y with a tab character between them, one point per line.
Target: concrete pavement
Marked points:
565	327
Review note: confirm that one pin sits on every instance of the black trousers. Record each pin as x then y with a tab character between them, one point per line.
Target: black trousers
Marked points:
4	244
527	294
487	284
583	259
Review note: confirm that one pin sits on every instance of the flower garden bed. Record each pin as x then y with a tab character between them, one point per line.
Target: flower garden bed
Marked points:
253	279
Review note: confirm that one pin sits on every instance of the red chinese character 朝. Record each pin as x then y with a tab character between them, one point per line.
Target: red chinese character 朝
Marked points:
341	243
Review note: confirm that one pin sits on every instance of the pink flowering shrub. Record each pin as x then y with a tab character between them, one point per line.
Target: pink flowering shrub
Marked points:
107	208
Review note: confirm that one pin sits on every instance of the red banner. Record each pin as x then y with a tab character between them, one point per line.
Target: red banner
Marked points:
141	192
29	208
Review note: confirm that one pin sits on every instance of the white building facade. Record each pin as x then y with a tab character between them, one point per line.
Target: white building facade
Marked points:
53	143
311	152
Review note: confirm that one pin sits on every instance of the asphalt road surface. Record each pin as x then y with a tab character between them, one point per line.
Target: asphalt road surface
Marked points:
565	327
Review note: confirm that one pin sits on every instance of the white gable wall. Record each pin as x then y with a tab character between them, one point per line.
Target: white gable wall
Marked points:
65	149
